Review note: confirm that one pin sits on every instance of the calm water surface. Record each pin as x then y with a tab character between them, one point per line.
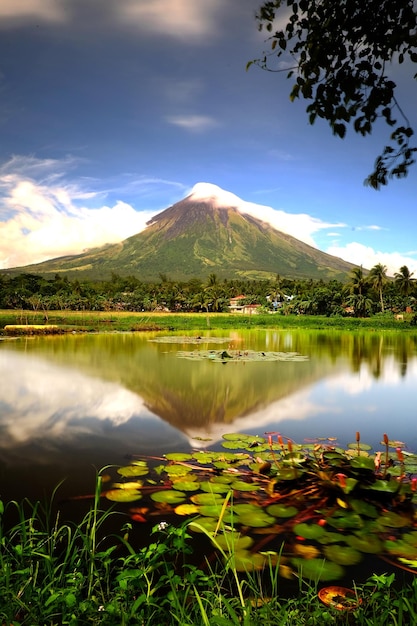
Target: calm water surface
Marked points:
74	403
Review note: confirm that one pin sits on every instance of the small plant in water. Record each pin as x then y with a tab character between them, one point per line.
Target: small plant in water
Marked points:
312	508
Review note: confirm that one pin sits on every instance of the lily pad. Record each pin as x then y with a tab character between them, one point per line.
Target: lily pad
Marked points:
393	520
168	496
186	509
360	446
260	519
186	485
309	531
343	555
318	569
203	525
207	498
132	470
282	510
178	456
387	486
177	470
363	462
123	495
246	561
370	544
210	487
345	519
215	510
241	485
364	508
233	541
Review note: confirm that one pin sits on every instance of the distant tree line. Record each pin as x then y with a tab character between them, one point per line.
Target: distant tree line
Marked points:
363	294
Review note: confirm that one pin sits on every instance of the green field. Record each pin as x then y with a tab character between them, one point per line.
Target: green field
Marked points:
101	321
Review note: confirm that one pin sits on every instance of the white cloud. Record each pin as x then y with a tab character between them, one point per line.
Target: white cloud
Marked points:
180	19
42	219
299	225
42	10
193	123
55	402
366	256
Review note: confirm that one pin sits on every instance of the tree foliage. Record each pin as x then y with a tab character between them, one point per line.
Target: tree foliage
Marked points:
341	53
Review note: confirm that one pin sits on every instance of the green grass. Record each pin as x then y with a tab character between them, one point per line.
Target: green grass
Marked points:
53	572
93	321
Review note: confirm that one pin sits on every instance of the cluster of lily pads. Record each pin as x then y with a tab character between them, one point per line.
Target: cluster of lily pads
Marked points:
223	356
313	508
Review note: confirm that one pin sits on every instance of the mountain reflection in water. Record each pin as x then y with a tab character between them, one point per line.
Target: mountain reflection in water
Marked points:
75	402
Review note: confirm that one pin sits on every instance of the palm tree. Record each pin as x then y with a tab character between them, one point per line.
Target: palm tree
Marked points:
378	279
357	281
404	281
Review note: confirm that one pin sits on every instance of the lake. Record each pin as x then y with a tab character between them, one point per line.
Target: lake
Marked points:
75	403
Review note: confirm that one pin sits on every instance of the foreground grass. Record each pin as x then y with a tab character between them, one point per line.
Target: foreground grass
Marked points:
54	573
99	321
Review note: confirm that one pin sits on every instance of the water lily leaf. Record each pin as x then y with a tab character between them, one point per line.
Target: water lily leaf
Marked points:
132	470
186	485
294	458
318	569
330	537
411	538
123	495
364	508
215	510
207	498
205	458
409	562
246	507
401	548
203	525
350	484
281	510
393	520
363	462
360	446
223	479
343	555
221	464
238	437
387	486
178	456
260	519
306	551
233	541
290	473
241	485
168	497
309	531
177	470
345	519
392	443
233	445
370	544
186	509
340	598
210	487
246	561
137	484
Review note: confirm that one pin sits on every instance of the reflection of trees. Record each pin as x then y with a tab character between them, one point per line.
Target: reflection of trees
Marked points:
199	393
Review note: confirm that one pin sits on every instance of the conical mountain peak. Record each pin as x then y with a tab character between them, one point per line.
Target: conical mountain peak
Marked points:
220	197
211	230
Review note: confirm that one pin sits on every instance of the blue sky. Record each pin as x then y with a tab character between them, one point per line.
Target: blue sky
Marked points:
112	110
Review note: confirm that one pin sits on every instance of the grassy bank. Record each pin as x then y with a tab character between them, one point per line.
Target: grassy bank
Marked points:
98	321
53	573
